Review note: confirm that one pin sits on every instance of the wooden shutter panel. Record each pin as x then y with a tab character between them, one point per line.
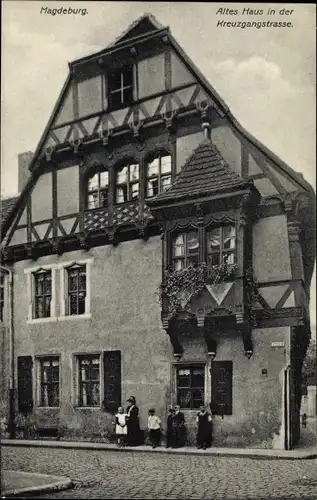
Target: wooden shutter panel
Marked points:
221	381
25	384
112	380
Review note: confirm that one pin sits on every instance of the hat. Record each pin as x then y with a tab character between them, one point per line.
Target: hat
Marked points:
131	399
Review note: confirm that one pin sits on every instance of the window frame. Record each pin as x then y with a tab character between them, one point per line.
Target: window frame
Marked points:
87	356
100	189
111	89
39	398
78	268
190	366
153	156
128	184
222	251
36	297
184	258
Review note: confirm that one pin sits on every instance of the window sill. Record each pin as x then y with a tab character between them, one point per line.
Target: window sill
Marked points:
50	319
47	407
74	317
88	407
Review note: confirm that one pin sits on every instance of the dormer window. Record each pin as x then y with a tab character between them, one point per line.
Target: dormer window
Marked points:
120	88
185	251
221	246
158	174
97	190
127	183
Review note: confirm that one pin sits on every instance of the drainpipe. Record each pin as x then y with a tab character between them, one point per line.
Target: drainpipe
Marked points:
11	352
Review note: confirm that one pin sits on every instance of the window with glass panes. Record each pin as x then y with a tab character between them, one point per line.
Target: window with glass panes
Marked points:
158	175
120	87
42	294
49	382
127	183
190	386
221	245
185	250
97	190
89	380
1	298
76	282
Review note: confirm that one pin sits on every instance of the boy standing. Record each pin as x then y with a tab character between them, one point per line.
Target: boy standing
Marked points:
204	434
154	426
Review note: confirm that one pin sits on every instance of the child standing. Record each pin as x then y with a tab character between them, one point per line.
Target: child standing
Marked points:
154	426
121	426
204	434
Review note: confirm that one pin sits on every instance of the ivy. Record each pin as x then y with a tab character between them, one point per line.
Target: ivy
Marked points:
252	293
192	281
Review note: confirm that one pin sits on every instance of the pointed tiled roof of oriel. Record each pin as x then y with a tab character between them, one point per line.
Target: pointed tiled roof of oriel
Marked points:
205	173
6	207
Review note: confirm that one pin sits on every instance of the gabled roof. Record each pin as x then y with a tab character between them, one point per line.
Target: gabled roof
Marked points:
6	208
144	24
205	173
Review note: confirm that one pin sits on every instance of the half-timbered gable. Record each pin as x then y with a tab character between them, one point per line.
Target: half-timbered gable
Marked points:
158	249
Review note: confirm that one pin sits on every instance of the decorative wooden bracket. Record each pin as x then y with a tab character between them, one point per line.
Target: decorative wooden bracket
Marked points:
169	119
76	143
84	241
135	128
57	246
142	227
203	107
105	136
48	153
30	251
173	334
112	235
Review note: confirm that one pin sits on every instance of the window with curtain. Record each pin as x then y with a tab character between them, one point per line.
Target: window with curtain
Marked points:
221	245
158	174
49	381
97	190
76	289
190	386
185	250
42	294
89	380
127	183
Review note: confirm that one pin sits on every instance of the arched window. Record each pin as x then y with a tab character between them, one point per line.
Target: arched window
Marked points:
158	174
127	183
185	250
221	246
97	190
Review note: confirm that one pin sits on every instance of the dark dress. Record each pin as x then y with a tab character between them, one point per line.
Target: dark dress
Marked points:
179	430
133	426
169	431
204	433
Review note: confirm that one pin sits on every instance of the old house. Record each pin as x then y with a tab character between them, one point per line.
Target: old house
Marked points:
158	250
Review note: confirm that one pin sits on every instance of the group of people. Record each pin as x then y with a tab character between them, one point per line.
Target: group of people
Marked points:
128	430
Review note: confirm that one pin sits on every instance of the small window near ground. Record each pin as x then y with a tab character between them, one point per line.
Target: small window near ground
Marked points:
190	386
49	381
89	380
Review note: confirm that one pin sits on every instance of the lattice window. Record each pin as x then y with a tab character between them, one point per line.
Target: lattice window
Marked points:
185	250
49	381
76	289
42	293
158	175
221	245
127	183
190	382
97	190
89	380
120	87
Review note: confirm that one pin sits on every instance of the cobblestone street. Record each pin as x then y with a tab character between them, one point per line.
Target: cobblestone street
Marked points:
121	475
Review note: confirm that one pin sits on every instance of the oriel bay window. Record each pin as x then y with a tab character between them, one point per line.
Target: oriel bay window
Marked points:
158	174
89	380
127	183
49	381
221	245
97	190
190	382
185	250
42	294
76	289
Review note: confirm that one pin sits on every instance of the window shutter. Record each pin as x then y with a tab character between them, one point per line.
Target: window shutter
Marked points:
112	380
221	381
25	384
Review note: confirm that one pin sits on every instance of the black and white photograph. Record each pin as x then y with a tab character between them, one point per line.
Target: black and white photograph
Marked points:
158	250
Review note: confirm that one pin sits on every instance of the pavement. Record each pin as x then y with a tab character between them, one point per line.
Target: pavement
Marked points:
17	483
108	474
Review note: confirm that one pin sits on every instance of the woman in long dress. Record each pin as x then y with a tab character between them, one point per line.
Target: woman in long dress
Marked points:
133	425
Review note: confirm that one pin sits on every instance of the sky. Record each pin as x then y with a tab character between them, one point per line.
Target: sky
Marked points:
266	76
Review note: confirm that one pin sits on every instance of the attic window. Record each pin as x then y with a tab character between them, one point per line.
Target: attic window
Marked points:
120	88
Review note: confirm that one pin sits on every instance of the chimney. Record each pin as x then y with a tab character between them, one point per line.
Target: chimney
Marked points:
24	160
